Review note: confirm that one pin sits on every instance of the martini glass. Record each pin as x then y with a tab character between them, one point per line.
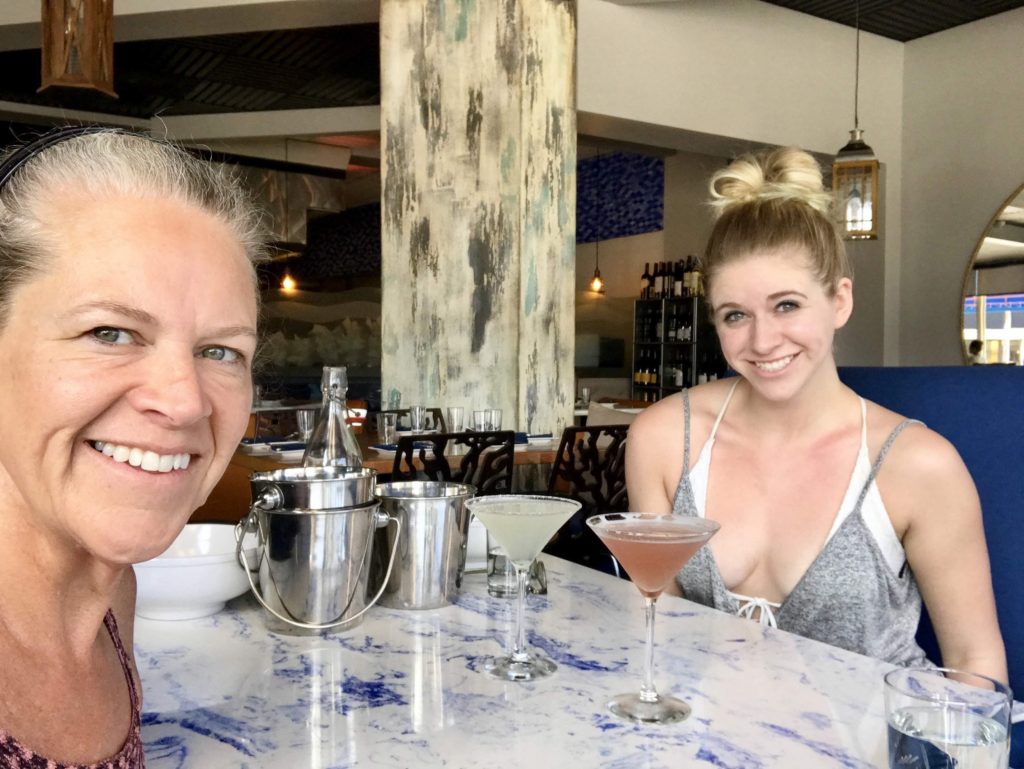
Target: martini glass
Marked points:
651	547
521	524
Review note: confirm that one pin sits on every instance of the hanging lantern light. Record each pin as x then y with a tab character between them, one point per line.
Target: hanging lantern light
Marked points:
596	283
855	174
78	45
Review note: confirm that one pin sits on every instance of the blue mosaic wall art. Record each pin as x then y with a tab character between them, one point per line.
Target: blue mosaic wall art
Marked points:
619	194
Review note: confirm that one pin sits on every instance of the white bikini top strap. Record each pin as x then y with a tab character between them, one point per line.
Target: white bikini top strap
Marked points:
721	411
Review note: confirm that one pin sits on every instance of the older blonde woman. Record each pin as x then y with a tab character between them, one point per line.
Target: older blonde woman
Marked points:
127	330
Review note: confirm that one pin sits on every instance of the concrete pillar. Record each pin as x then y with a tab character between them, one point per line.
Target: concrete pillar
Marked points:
478	135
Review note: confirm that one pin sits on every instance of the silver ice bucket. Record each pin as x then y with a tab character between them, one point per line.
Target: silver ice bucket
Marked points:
315	537
431	543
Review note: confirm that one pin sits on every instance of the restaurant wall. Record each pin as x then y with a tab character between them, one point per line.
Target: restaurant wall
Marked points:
730	74
963	155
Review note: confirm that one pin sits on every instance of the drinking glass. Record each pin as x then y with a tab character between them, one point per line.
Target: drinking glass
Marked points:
305	419
651	547
417	418
495	419
585	395
387	428
482	420
501	574
456	419
940	717
521	525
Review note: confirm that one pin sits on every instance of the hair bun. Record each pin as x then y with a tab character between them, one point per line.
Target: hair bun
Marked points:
787	173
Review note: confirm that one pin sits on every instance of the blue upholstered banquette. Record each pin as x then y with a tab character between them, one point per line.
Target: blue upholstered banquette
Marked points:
980	410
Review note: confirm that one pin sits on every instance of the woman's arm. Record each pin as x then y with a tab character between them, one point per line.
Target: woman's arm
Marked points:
934	498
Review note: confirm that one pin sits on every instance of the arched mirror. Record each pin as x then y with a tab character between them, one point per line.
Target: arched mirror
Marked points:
992	321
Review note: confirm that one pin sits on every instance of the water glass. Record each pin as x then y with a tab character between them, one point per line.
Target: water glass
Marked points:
305	419
456	419
418	418
939	718
495	419
501	573
585	395
387	428
482	420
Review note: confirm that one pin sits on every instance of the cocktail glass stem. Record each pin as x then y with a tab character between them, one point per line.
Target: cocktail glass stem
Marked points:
519	643
647	691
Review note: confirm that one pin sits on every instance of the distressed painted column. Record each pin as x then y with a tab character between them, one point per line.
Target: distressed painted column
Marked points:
478	135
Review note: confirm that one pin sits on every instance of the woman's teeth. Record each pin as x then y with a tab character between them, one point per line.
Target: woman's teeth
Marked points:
774	365
144	460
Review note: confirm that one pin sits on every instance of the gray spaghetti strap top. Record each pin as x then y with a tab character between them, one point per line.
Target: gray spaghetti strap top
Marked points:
849	596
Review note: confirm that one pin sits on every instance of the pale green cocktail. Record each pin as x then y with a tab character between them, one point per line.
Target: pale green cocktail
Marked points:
521	525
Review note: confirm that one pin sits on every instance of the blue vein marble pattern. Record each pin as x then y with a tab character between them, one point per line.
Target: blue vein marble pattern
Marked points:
402	689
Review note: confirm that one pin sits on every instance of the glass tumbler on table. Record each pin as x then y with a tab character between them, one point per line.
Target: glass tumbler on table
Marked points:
939	718
456	419
482	420
521	524
418	418
651	547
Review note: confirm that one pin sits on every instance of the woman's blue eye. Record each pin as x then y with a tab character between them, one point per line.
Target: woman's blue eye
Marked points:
225	354
732	317
787	305
111	335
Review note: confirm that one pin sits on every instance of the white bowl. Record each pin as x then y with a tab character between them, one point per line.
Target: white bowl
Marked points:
195	576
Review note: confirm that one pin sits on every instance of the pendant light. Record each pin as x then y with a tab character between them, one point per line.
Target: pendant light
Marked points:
855	174
78	45
596	283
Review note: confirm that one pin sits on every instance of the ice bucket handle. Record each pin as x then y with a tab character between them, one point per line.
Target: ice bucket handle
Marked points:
248	524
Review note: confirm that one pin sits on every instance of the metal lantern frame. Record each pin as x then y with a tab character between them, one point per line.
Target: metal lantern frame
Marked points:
78	45
855	172
855	186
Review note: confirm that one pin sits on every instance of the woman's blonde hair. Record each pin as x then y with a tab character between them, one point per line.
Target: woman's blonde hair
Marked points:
107	162
770	201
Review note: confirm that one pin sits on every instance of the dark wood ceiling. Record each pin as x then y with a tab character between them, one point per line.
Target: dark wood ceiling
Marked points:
290	69
902	20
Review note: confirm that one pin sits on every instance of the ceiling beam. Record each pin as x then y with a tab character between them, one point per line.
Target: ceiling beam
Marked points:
269	124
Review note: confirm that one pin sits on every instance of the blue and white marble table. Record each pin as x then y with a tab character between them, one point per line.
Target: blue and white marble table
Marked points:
403	689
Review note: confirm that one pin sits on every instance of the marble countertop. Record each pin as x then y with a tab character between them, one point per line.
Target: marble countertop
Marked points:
402	688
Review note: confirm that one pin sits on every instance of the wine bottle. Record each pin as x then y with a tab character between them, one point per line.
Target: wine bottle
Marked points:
698	288
645	281
332	443
677	279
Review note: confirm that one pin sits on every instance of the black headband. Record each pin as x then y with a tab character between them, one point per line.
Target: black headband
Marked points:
26	152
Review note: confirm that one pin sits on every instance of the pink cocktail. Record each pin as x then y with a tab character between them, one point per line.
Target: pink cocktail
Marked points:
651	547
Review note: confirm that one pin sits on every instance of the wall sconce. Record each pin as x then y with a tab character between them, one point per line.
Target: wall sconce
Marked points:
855	174
78	45
288	283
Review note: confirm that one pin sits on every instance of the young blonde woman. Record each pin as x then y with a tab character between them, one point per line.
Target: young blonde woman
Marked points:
837	515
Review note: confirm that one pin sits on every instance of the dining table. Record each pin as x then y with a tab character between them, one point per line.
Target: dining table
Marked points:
405	688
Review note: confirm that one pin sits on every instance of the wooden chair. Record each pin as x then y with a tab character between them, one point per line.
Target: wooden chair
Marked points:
485	459
590	466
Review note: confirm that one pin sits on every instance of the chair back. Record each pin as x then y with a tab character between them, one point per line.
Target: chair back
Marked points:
590	466
484	459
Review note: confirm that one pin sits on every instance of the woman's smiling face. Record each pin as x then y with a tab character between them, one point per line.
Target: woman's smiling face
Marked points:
125	373
775	320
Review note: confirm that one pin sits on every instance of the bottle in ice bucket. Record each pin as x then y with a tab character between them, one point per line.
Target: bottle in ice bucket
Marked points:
332	443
